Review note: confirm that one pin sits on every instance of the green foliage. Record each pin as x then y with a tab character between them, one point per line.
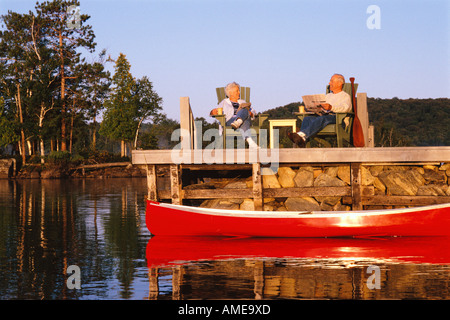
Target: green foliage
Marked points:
8	127
59	157
118	119
416	122
397	122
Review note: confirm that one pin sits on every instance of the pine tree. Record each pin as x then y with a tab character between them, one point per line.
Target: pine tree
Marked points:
118	120
65	40
130	104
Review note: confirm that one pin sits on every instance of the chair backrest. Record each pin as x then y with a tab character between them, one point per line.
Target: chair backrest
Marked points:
347	87
245	94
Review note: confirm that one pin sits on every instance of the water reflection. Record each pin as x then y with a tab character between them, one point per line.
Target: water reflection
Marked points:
99	225
226	268
49	225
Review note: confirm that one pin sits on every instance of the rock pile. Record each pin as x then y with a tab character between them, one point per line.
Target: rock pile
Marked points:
395	180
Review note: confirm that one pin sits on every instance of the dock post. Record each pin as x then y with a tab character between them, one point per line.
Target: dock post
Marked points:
151	183
257	187
355	172
175	186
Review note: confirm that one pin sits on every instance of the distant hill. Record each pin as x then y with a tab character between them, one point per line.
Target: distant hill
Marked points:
398	122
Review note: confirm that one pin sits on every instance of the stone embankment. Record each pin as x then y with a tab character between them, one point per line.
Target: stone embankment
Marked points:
7	168
104	170
395	180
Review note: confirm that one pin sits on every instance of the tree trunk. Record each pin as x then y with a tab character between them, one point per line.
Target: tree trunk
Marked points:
22	133
122	148
63	95
71	133
93	135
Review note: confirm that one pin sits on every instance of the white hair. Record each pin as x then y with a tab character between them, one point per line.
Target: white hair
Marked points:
231	85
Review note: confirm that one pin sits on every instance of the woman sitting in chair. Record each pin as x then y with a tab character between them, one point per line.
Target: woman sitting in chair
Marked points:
238	113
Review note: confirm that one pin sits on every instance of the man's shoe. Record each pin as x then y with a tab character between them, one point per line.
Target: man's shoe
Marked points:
236	123
297	139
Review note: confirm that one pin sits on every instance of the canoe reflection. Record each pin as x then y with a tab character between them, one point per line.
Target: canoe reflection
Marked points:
165	250
289	268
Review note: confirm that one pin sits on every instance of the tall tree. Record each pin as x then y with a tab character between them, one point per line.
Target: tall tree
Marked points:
148	103
118	119
131	103
16	51
65	40
96	84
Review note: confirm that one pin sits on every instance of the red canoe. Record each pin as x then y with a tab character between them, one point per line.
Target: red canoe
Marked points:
176	220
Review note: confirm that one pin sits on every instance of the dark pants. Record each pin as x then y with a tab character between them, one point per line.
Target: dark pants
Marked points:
312	125
246	122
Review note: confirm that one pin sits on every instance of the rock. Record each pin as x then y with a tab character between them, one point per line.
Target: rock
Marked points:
286	177
380	188
430	167
7	168
344	174
236	185
302	204
402	182
330	201
210	203
269	179
376	170
433	176
432	190
304	177
419	170
227	205
317	172
366	177
445	167
324	180
332	171
267	200
247	205
35	175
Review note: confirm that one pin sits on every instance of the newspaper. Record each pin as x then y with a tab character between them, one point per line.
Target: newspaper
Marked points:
313	103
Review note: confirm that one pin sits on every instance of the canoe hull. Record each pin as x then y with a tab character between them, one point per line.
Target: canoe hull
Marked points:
174	220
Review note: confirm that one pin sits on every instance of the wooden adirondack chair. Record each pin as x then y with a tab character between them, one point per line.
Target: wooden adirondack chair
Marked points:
342	130
228	131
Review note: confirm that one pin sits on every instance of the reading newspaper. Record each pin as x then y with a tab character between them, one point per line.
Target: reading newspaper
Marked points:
313	103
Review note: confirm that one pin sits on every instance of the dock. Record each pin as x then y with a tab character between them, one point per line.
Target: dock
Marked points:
425	182
356	193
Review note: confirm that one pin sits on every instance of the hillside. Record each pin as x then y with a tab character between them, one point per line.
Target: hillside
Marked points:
399	122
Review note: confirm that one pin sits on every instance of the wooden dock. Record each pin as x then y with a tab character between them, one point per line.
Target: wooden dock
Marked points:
357	195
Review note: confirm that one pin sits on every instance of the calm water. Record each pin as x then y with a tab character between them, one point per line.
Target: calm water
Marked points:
99	226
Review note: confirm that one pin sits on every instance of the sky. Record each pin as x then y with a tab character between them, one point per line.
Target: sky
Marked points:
282	49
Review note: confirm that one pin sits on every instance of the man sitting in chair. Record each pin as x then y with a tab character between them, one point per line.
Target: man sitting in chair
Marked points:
238	113
336	101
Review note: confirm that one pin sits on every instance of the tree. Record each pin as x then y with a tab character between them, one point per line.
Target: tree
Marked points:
18	67
96	84
148	103
65	40
131	103
118	120
8	128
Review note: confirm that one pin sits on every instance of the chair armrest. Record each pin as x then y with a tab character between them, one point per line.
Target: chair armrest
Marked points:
261	118
221	119
339	115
